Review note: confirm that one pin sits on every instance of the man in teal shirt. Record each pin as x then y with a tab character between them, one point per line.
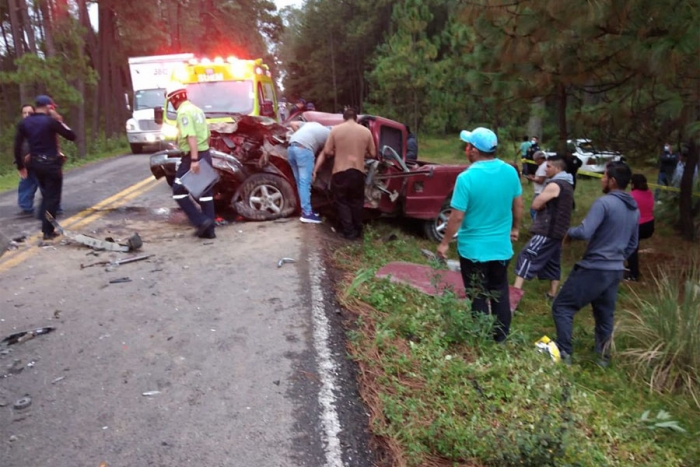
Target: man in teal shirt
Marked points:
193	140
487	208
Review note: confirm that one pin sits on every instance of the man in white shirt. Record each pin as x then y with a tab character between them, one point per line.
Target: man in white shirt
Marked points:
539	177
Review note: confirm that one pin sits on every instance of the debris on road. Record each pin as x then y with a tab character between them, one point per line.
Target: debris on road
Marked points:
60	378
117	262
23	402
20	337
120	280
57	314
134	242
282	261
150	393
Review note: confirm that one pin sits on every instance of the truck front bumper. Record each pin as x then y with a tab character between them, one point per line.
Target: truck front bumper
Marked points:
144	137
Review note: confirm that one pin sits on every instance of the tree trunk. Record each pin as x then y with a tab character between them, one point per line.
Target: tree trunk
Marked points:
561	117
18	42
47	19
335	81
92	48
28	26
685	207
534	124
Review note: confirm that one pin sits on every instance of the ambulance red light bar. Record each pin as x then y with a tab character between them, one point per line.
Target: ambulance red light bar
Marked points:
207	61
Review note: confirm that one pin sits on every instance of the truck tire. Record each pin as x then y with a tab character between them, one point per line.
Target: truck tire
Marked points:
434	229
265	197
136	148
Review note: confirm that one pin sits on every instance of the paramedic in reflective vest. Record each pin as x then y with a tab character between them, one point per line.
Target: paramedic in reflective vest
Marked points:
40	130
193	141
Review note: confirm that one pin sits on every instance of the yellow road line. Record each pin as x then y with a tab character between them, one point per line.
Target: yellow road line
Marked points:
13	258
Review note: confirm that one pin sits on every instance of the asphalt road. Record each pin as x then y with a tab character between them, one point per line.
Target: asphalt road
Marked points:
207	354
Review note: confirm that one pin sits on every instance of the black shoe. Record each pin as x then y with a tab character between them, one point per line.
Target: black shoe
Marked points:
209	234
25	213
631	278
204	227
51	236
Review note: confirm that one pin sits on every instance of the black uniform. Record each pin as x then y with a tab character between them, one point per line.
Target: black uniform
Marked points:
40	131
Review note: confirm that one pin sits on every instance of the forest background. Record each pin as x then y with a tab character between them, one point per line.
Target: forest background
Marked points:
625	73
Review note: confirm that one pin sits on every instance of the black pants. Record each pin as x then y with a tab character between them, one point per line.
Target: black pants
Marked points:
584	286
183	199
49	176
646	230
487	284
348	189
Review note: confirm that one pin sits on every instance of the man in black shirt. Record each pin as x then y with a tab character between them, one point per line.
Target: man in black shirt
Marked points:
40	130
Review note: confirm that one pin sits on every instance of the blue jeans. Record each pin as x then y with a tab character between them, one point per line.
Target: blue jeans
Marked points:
26	191
302	162
664	180
584	286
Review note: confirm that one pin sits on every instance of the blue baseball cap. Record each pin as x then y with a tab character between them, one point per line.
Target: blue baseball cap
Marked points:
43	101
481	138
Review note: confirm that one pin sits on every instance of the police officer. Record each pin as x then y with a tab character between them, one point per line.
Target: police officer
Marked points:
193	140
40	130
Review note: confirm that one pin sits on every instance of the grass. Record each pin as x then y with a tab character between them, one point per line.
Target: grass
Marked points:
9	178
662	333
441	393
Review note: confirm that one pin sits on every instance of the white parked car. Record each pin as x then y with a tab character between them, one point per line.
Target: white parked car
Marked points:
592	158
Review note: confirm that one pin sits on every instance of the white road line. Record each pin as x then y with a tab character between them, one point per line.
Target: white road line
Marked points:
327	367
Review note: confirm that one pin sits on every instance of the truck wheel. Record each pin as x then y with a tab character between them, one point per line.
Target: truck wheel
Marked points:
136	148
434	229
265	197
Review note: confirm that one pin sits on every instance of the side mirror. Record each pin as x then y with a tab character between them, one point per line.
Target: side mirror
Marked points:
267	108
126	101
158	115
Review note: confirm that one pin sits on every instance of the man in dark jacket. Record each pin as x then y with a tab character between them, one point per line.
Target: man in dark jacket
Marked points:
541	256
41	131
667	165
610	228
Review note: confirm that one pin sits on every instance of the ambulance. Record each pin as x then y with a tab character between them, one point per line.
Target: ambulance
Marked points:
223	88
149	78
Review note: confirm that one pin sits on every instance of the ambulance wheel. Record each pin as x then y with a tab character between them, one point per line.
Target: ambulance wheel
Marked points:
136	148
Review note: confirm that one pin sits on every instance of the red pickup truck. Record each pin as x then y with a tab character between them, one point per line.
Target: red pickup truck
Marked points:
394	185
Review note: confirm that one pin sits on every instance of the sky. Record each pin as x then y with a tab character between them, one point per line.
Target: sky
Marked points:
283	3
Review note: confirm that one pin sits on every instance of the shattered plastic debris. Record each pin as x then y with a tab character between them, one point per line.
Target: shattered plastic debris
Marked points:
20	337
150	393
133	243
60	378
282	261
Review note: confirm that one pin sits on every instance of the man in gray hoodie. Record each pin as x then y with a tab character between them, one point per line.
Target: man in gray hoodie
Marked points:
610	228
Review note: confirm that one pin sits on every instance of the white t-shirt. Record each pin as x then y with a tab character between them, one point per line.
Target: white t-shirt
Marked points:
541	172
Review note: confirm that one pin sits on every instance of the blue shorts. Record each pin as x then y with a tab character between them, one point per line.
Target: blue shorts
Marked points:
541	257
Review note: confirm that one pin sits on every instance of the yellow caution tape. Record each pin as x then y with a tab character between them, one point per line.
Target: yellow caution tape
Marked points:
597	175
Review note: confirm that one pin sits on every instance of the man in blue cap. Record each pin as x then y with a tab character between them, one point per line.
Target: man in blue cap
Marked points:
40	130
487	208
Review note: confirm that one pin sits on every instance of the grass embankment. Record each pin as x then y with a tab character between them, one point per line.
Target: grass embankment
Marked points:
9	177
442	393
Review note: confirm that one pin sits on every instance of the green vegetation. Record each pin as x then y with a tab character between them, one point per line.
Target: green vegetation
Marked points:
103	149
662	331
442	393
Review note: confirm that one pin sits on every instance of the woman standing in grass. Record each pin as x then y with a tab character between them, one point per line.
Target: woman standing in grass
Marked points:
645	201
